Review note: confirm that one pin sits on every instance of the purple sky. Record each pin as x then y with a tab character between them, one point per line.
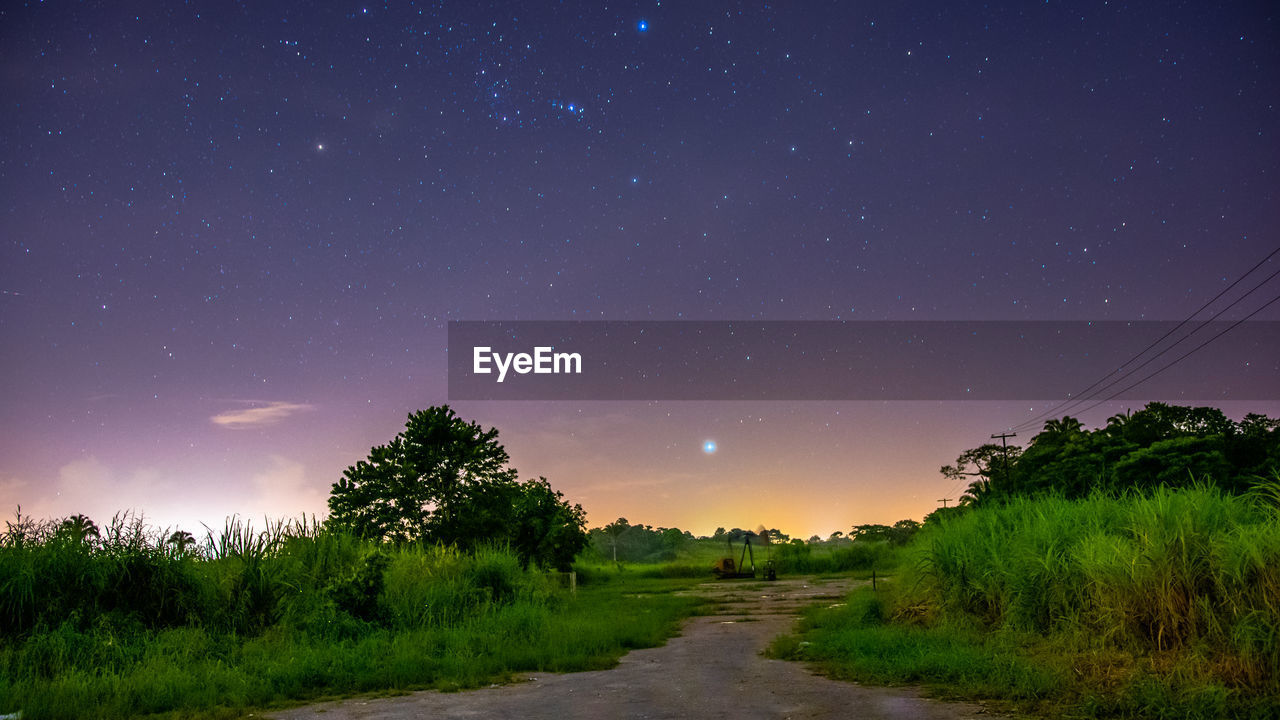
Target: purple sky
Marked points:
232	235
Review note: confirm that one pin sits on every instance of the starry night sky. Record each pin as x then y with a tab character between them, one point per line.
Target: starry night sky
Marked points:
233	234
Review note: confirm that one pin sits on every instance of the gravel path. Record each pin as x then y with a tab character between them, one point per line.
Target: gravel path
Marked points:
712	670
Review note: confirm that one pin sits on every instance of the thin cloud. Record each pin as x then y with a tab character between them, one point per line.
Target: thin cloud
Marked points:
269	414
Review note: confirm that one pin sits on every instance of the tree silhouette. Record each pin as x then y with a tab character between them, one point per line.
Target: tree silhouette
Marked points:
181	540
1066	426
443	479
78	528
426	483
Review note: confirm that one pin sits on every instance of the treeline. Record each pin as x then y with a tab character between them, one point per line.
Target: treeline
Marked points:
622	542
1159	445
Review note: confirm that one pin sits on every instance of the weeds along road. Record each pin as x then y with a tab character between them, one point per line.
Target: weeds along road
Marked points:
714	669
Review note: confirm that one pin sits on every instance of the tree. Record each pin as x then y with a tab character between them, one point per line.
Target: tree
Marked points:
548	531
181	540
443	479
1057	428
986	463
613	531
439	479
78	529
900	533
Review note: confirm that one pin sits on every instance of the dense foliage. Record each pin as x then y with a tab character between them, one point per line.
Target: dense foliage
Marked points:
1160	445
445	480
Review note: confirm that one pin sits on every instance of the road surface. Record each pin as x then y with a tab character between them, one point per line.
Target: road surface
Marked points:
714	669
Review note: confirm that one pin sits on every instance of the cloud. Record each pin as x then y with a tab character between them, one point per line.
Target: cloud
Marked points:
283	490
269	414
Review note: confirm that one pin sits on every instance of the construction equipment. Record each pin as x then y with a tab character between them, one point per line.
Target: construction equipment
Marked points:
726	569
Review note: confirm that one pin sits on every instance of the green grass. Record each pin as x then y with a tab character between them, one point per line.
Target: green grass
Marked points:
1163	606
696	558
288	615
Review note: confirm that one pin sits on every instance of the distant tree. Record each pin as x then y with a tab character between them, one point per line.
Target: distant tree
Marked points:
904	530
181	540
1066	426
835	536
986	465
672	539
615	530
900	533
772	535
869	532
78	529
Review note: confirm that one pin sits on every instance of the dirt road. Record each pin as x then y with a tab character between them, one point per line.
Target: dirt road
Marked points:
713	670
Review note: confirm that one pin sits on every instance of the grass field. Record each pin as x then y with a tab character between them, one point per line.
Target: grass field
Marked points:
125	624
1162	606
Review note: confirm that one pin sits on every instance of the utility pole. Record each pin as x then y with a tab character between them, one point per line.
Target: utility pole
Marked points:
1004	442
944	502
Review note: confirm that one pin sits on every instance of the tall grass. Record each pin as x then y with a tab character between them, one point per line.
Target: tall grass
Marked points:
1164	604
859	555
125	622
1168	570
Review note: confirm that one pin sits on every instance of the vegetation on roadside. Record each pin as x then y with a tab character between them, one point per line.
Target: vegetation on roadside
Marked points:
1164	604
429	572
128	622
1084	575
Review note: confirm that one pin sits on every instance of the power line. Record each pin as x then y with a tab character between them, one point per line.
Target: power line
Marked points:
1085	397
1082	396
1182	357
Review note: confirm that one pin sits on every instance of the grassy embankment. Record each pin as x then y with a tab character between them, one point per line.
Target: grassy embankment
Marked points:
1165	605
128	624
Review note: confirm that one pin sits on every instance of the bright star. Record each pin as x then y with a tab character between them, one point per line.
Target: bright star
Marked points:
642	26
709	447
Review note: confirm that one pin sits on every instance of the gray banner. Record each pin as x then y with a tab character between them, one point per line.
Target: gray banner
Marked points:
888	360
